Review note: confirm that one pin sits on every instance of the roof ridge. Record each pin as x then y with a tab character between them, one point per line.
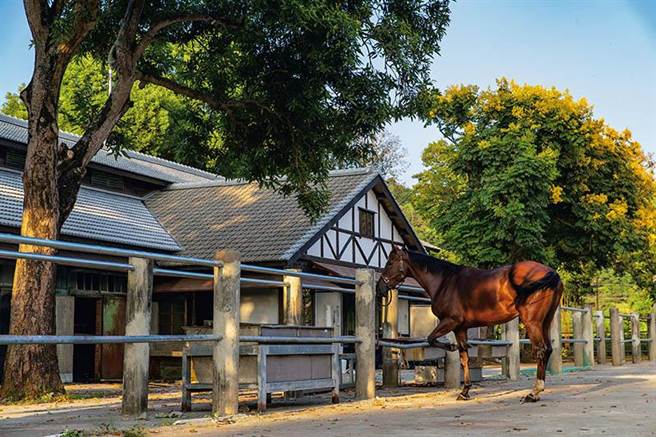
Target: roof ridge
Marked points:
352	171
222	182
171	164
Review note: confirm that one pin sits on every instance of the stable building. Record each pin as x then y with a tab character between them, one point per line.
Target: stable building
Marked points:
142	202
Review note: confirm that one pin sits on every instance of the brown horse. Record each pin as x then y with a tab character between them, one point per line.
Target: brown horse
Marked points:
465	297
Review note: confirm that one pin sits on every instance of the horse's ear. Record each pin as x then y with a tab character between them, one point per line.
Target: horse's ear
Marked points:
396	248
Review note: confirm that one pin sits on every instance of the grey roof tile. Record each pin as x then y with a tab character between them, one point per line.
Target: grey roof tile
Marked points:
97	215
261	223
14	129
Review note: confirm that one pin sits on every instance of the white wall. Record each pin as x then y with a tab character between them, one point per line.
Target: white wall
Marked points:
422	320
259	306
328	305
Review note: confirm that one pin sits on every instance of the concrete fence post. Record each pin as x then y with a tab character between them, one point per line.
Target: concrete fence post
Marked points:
577	328
365	329
137	322
391	331
652	334
225	395
511	362
588	335
292	300
556	360
64	325
635	338
452	368
616	337
601	333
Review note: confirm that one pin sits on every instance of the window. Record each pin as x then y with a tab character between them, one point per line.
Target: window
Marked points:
367	223
107	181
12	158
6	275
85	281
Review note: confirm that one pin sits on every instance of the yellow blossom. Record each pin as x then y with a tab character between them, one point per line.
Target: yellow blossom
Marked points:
556	194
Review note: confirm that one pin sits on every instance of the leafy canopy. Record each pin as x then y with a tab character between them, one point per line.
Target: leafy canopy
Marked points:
159	122
275	92
526	172
295	85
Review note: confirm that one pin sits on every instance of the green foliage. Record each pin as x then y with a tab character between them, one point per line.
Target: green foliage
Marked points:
525	172
295	84
13	105
284	88
159	122
73	433
621	291
405	198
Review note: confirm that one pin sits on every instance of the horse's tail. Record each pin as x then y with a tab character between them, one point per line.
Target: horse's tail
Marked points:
550	280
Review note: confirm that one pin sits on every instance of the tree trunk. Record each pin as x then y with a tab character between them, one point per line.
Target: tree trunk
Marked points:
32	371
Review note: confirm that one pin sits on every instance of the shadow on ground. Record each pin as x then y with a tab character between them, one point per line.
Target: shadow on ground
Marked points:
621	401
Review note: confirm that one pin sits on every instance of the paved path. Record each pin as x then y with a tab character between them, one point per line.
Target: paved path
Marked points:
606	401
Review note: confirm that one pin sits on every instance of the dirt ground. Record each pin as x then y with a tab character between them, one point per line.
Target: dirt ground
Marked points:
604	401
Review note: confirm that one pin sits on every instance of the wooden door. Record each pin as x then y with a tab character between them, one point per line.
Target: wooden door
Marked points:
113	323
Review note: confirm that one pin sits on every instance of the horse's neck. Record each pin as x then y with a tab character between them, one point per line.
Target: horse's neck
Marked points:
430	282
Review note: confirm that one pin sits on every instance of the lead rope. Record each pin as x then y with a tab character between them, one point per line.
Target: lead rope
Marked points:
385	300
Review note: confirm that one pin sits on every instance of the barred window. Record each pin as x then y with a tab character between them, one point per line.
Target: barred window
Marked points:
86	281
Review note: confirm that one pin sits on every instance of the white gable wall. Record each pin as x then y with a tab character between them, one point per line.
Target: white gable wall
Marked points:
343	241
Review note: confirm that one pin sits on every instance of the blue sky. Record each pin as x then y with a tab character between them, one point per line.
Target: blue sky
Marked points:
604	50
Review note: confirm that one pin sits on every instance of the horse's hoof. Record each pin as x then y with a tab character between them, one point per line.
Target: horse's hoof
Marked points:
463	397
530	398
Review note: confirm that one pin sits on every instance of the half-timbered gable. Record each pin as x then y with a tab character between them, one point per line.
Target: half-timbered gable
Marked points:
363	233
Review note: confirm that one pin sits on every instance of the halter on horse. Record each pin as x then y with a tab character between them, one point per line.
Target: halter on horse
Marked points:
465	297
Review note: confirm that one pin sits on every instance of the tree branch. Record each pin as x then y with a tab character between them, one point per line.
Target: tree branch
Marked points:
181	89
35	10
73	163
57	8
86	16
151	34
120	56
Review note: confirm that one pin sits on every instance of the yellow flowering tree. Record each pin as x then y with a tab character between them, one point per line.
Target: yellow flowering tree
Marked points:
527	172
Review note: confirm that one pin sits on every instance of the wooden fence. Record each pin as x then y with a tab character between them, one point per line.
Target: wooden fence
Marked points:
227	281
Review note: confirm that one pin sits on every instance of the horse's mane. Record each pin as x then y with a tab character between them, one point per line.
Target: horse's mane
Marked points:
434	265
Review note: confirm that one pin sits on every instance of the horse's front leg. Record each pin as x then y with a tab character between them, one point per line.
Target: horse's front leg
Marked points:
443	327
463	346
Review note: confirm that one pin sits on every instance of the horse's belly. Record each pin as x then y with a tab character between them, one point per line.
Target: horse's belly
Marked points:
491	317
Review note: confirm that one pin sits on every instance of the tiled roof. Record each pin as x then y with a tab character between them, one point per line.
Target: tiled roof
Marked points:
97	215
261	223
14	129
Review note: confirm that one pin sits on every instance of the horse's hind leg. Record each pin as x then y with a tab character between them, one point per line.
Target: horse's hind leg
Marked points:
537	321
461	337
535	333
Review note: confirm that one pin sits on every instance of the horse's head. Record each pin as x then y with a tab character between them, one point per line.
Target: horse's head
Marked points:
394	272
